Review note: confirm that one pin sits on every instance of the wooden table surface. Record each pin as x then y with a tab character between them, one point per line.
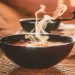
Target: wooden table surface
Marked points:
65	67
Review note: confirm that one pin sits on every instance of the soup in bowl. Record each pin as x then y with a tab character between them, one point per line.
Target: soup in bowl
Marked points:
35	54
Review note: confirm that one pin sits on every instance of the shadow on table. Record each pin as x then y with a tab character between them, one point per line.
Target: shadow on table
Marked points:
23	71
71	57
1	53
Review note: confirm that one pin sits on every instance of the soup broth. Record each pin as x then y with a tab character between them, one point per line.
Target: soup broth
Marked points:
37	44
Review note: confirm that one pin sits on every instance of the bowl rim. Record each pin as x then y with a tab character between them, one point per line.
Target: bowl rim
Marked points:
24	19
5	43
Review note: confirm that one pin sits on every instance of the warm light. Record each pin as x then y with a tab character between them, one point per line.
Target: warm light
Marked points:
72	3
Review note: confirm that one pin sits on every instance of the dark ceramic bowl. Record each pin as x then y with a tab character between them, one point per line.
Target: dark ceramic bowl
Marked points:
29	24
37	57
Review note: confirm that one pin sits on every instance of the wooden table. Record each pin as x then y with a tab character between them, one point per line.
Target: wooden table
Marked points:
65	67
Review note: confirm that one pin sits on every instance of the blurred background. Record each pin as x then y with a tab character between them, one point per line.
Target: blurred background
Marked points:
13	10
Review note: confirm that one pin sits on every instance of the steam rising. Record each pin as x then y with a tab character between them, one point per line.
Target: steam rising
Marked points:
41	25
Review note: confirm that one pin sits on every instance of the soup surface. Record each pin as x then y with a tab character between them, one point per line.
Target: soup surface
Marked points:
37	44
